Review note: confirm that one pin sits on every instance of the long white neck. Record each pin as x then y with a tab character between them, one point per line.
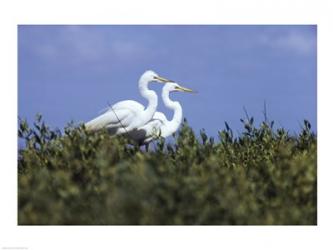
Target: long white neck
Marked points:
171	126
152	98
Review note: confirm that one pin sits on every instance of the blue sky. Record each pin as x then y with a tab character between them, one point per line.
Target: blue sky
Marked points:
72	72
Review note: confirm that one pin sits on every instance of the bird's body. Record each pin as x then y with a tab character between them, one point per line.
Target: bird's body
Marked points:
119	118
125	116
150	131
159	125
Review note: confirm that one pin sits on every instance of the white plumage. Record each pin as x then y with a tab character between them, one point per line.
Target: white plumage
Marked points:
159	125
125	116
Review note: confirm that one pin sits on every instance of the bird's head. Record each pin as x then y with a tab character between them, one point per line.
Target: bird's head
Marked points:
173	87
151	76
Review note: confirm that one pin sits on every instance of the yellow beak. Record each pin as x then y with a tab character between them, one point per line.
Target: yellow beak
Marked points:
162	79
183	89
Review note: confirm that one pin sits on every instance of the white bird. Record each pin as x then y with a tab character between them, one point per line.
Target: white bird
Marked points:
125	116
159	125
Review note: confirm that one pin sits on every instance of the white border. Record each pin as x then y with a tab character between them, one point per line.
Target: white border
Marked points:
162	12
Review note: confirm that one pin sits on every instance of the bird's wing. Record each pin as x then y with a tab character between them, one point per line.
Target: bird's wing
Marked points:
107	119
128	104
159	116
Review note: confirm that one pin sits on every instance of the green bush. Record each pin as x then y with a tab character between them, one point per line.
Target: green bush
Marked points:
262	177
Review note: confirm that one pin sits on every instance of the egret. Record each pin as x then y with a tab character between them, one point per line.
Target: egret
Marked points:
159	125
127	115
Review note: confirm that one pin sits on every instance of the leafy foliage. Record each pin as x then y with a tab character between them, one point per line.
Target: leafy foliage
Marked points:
263	176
